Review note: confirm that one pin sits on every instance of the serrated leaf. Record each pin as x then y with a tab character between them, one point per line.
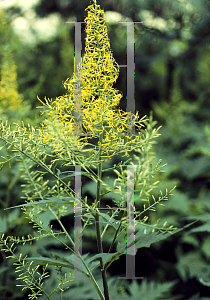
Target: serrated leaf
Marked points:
72	257
149	291
145	240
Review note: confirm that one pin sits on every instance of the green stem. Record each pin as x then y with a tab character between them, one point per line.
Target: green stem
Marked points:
98	196
97	224
79	255
108	224
115	235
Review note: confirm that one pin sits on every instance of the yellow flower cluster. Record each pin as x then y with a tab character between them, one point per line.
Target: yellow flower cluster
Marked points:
9	96
97	73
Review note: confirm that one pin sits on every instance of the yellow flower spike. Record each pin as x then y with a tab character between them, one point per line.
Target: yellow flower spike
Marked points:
97	73
9	97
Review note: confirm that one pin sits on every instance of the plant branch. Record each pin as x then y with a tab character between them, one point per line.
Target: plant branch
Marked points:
97	224
79	255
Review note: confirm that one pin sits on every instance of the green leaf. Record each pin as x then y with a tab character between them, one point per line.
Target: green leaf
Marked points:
145	240
193	264
104	219
149	291
48	201
204	217
71	259
203	228
106	257
59	261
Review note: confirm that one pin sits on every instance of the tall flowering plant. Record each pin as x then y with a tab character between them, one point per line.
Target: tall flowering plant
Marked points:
61	141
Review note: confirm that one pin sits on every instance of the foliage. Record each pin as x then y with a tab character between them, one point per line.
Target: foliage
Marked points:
48	192
13	108
187	151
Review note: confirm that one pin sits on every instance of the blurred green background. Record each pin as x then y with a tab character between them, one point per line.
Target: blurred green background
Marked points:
172	79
